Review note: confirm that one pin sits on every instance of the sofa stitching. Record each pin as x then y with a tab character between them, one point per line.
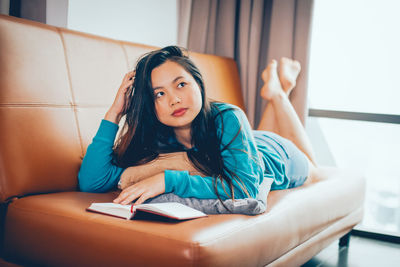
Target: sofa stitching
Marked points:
73	104
67	66
125	53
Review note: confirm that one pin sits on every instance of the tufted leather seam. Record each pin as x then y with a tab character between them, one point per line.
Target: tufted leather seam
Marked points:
126	54
73	105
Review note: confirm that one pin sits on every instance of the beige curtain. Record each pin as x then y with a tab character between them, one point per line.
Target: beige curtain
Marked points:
252	32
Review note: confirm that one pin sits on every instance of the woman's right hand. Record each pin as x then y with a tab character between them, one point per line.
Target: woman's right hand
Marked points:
116	110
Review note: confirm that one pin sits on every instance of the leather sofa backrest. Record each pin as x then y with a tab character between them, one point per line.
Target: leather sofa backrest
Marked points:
55	87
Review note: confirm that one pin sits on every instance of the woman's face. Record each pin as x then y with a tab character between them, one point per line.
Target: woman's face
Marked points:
177	95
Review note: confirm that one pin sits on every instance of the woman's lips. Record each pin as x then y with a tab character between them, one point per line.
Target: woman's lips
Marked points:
179	112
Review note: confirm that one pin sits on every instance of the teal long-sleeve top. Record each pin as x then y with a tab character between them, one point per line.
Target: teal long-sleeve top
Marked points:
249	159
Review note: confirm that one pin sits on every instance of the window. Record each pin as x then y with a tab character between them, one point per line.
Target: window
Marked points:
354	92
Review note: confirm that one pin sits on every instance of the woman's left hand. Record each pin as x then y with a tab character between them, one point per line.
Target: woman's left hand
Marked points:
143	190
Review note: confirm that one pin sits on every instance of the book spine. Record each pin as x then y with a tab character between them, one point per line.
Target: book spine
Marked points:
132	213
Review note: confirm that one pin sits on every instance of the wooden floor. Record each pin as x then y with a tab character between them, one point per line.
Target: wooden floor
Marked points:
362	252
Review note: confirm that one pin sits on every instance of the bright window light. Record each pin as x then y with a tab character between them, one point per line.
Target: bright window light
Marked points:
355	56
355	66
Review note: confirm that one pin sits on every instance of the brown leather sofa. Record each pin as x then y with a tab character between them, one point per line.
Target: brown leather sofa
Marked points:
56	85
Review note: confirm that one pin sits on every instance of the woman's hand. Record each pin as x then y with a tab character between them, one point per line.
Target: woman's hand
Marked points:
143	190
114	114
130	177
170	161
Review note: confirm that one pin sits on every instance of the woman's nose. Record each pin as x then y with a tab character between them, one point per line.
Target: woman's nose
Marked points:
175	100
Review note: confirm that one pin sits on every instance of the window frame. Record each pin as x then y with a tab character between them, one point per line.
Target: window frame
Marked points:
362	231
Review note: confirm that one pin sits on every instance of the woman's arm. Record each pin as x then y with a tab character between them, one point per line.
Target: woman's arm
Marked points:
241	157
148	180
97	173
170	161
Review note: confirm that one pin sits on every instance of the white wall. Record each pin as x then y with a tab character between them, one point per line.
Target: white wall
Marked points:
152	22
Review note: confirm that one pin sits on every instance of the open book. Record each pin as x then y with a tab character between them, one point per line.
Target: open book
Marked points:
171	210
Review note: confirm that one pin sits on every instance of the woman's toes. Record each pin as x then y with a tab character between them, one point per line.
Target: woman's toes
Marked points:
288	72
272	84
268	70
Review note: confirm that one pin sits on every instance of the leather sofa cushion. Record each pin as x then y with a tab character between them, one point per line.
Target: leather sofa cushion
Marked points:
55	228
56	85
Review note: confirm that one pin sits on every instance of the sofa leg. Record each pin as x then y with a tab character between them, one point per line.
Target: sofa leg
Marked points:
344	240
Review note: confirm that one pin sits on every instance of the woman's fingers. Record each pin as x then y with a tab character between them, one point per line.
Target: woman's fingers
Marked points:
129	199
143	190
128	81
141	199
127	195
121	99
126	199
130	75
128	84
130	194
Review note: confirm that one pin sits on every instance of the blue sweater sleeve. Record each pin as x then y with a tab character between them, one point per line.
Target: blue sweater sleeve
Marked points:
97	173
241	157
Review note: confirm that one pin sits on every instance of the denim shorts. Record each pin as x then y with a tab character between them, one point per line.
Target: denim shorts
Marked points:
295	161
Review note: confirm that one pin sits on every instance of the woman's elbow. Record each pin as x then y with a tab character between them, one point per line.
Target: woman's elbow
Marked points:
93	182
85	184
84	188
91	188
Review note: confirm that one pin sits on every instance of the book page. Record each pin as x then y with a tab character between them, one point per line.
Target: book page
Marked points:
172	209
118	210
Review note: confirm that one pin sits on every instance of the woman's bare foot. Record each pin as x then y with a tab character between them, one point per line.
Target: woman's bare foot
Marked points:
288	71
272	86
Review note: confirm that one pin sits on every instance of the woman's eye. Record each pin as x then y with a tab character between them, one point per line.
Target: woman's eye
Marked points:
182	84
159	94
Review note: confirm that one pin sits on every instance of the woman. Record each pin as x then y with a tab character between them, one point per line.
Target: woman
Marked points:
194	147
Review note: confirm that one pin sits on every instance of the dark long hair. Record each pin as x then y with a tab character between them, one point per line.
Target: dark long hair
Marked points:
142	134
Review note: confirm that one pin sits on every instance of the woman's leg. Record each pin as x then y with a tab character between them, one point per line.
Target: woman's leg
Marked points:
267	122
287	122
288	72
